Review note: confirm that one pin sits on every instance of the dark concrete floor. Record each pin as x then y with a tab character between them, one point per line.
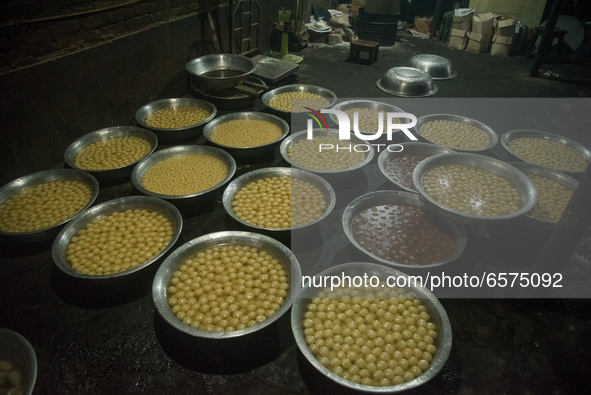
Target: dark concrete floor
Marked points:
479	74
500	346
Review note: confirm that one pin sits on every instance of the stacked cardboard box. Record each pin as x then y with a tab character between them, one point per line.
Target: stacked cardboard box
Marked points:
356	5
504	28
460	26
482	32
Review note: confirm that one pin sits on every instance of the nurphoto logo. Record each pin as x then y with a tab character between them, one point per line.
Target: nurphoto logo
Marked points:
392	124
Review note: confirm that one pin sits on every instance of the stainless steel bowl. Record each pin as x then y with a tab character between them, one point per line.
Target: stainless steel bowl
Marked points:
407	82
254	175
507	137
20	184
494	139
379	198
16	349
60	245
221	71
175	135
327	94
409	148
239	153
524	186
442	342
182	201
119	174
232	99
178	256
354	142
560	178
437	66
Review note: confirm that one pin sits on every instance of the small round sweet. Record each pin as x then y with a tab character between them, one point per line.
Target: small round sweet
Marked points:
43	206
471	190
318	154
455	135
402	233
246	133
377	337
552	199
298	100
368	119
549	153
113	153
11	378
228	288
185	174
400	169
177	117
278	202
119	241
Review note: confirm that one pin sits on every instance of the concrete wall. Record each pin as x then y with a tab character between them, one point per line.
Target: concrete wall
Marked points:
528	12
57	97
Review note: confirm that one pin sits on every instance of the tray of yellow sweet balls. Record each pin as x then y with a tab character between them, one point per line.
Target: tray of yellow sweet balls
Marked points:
176	120
297	98
36	206
379	335
278	199
247	135
184	175
110	154
117	239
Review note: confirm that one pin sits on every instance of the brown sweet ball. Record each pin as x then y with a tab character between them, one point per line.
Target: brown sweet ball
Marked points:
376	337
113	153
43	206
228	288
177	117
269	202
119	241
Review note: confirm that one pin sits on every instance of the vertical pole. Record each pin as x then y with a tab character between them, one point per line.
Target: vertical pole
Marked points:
547	38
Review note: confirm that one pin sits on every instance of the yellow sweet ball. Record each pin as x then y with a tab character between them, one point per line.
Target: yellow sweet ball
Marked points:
278	202
369	337
185	174
177	117
119	241
112	153
228	288
455	135
43	206
297	101
549	153
552	199
472	190
245	133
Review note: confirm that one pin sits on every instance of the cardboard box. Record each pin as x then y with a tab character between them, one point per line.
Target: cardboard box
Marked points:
458	39
504	26
356	5
501	45
463	22
478	42
483	23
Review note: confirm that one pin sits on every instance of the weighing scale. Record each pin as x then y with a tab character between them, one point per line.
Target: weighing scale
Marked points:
274	71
